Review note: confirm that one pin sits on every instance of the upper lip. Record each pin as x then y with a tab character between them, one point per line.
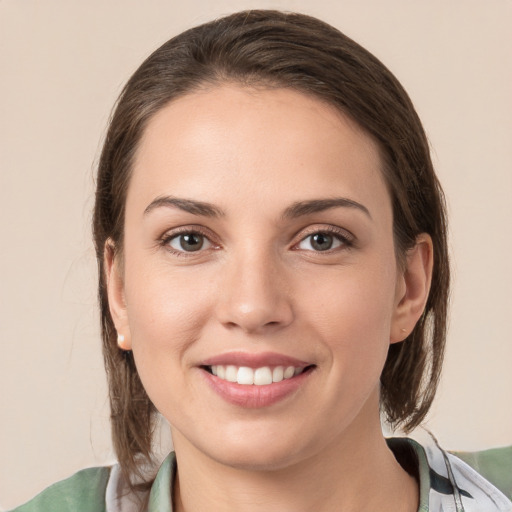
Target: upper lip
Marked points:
254	360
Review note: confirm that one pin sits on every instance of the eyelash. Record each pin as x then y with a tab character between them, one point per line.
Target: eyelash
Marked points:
345	238
189	230
341	235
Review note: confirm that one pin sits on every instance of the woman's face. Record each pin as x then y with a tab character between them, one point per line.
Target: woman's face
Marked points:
258	245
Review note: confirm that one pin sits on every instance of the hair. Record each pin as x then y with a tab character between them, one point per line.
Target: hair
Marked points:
295	51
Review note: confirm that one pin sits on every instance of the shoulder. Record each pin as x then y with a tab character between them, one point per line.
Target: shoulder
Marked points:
472	482
105	489
82	492
494	465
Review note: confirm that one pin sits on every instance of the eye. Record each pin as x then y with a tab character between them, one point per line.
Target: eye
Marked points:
189	242
322	241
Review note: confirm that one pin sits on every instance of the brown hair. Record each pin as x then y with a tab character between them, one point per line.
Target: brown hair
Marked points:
295	51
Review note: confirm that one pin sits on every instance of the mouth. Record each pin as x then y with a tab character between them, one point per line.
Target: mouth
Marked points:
262	376
256	380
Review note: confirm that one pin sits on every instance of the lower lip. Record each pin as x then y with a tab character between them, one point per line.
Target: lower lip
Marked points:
252	396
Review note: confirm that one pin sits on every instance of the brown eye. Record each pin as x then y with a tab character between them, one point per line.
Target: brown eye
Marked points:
189	242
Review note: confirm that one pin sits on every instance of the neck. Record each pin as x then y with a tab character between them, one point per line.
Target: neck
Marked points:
355	472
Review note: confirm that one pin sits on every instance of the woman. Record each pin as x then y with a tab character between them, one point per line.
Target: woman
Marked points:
271	240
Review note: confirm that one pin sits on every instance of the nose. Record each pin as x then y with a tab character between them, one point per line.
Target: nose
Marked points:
255	296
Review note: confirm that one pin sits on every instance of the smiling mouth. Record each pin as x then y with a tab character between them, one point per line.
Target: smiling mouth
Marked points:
262	376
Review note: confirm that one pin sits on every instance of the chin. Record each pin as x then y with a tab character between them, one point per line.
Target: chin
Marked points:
253	452
257	460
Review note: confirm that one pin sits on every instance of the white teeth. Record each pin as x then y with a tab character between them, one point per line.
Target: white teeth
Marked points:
262	376
245	375
259	376
231	373
278	374
289	372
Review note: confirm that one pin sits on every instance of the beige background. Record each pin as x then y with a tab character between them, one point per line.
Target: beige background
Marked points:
63	63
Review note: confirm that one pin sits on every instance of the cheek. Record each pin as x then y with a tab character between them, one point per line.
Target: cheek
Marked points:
352	312
166	313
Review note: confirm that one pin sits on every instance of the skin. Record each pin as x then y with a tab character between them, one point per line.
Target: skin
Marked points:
258	285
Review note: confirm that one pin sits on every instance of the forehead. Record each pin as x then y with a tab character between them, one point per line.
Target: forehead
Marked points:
232	142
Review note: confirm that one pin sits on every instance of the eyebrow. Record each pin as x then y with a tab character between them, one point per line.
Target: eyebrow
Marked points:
297	209
187	205
301	208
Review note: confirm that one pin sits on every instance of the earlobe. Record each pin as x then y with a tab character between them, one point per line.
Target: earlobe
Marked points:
413	288
115	291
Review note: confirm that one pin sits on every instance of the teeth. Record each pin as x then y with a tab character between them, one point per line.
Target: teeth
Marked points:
289	372
278	374
245	376
259	376
231	373
263	376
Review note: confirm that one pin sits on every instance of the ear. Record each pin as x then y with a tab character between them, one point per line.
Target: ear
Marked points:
115	291
412	289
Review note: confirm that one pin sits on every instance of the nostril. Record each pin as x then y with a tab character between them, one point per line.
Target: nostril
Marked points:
254	310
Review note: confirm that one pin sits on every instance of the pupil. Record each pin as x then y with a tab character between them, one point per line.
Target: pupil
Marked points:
191	242
322	242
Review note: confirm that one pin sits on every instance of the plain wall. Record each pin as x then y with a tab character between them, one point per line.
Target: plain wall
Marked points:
62	65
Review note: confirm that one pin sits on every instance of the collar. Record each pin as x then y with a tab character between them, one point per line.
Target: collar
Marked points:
160	496
445	482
